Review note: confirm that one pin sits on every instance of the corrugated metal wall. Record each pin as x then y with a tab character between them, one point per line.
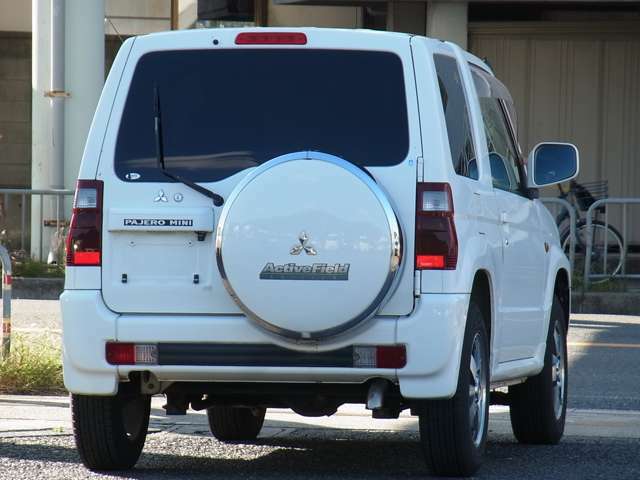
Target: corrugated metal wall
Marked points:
577	82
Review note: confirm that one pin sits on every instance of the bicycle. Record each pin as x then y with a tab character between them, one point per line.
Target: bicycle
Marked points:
607	253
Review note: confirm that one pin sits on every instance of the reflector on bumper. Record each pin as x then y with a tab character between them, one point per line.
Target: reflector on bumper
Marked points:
131	354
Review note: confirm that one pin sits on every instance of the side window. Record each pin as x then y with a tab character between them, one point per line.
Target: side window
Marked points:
504	158
499	171
456	116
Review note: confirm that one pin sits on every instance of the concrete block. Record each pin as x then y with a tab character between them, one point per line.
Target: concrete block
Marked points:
16	68
15	133
12	90
15	111
37	288
612	303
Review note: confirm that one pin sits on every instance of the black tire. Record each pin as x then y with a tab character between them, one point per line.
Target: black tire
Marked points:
535	419
231	424
110	431
447	438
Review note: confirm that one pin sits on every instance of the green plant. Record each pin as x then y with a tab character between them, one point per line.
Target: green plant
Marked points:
34	268
34	366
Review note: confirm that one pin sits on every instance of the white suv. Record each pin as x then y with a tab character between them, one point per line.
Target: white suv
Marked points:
265	218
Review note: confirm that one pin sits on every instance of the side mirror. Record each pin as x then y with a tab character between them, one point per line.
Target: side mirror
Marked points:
550	163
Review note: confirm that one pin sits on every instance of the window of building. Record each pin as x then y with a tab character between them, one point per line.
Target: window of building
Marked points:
456	114
231	13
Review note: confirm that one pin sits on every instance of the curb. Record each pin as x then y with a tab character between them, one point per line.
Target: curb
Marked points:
613	303
36	288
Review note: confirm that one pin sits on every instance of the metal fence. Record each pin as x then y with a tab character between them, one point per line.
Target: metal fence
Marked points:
55	219
598	206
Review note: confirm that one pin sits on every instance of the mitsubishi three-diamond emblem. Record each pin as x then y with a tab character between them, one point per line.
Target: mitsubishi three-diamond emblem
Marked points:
161	197
304	245
295	271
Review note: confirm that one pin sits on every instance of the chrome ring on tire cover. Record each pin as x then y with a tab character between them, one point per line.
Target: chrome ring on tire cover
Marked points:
395	234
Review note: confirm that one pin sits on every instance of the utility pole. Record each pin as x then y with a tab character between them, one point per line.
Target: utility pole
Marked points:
41	144
83	77
57	92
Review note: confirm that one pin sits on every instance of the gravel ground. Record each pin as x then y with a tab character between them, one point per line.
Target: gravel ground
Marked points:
602	377
323	454
35	315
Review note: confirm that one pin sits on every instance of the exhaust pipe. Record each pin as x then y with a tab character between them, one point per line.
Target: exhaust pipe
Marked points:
375	396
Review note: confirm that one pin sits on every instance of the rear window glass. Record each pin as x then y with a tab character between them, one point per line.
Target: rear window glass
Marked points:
227	110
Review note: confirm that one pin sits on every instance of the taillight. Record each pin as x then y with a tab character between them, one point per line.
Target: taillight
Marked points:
436	239
131	353
84	241
381	356
271	38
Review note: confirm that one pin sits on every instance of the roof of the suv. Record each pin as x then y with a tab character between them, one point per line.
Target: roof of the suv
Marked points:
350	32
357	36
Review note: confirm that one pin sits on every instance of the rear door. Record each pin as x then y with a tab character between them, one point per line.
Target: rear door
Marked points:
224	112
520	302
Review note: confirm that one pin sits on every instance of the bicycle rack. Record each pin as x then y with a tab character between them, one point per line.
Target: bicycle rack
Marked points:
625	202
5	263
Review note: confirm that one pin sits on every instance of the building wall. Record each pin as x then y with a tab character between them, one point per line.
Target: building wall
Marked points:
577	82
312	16
124	17
15	15
127	17
15	127
15	109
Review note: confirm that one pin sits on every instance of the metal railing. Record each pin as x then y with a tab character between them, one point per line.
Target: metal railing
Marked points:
43	222
5	270
625	202
572	224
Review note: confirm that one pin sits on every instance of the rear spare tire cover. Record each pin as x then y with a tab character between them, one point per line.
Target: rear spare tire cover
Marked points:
308	245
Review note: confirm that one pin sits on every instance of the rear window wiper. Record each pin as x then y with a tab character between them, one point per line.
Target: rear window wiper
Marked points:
217	199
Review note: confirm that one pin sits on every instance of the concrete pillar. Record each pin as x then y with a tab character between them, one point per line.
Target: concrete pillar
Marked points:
41	135
448	21
84	78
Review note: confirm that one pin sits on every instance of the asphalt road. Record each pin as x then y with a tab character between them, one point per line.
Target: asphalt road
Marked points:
602	439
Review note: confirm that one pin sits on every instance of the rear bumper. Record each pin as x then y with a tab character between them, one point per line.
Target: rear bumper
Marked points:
432	335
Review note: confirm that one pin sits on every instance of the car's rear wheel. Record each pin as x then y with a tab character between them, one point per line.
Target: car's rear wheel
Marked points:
538	406
230	424
110	431
453	432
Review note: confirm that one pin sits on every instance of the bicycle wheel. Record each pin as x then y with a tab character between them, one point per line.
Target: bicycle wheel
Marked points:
607	253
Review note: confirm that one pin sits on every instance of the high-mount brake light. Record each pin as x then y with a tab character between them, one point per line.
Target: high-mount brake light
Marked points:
436	238
272	38
84	241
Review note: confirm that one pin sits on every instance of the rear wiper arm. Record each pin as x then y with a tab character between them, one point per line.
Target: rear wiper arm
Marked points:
217	199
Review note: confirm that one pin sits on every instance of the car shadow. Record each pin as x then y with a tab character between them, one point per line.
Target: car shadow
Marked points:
357	455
